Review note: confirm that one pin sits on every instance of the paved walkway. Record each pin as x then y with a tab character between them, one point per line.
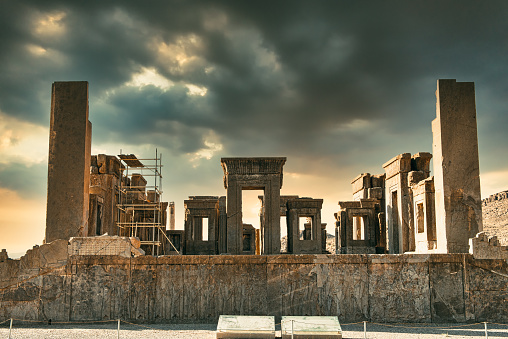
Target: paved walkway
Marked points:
139	331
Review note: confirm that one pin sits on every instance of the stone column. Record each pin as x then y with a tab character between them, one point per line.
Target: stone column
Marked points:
396	200
68	162
234	218
271	234
456	166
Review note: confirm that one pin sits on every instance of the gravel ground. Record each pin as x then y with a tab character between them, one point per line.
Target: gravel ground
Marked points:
109	330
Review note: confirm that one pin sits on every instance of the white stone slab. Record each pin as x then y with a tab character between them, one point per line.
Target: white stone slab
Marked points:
244	326
311	327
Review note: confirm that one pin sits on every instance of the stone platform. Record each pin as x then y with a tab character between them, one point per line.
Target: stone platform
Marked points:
409	288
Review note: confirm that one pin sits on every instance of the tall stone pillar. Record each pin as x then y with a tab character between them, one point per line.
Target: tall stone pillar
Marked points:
456	166
69	161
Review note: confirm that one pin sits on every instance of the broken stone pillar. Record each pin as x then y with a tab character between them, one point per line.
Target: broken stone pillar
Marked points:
171	215
68	162
456	166
397	203
253	174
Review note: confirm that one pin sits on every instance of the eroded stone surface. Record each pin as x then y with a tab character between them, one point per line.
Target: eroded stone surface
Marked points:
388	288
456	166
68	162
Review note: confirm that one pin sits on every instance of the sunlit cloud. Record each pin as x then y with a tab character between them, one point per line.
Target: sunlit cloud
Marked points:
49	24
149	76
212	146
179	56
36	49
355	125
196	90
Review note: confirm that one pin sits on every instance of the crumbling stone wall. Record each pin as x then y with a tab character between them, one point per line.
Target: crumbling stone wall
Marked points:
381	288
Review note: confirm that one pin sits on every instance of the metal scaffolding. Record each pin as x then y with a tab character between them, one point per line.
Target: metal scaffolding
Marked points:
141	212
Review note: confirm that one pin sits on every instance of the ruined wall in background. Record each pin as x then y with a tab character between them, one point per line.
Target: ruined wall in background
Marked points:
379	288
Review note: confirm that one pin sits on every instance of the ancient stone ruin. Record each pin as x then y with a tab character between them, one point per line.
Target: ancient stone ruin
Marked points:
408	246
405	210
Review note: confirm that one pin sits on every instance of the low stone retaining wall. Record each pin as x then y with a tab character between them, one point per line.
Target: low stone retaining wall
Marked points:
379	288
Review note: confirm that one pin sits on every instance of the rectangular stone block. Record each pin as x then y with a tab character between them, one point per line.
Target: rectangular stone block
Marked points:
68	162
238	326
399	164
375	193
456	166
138	182
315	327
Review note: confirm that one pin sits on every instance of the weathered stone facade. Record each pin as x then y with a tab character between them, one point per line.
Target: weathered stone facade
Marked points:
105	179
174	289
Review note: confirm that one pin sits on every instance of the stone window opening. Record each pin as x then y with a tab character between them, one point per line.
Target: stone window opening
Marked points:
204	229
358	227
305	228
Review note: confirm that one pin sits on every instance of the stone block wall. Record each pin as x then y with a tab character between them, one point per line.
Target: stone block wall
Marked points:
176	289
484	247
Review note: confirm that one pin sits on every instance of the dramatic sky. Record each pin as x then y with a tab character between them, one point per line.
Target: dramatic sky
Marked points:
337	87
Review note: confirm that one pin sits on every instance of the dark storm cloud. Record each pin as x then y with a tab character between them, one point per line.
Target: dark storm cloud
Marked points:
283	77
26	180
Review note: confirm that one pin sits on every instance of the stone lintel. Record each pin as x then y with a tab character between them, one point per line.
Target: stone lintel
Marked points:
305	203
368	203
399	164
201	204
349	204
204	197
283	199
252	166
